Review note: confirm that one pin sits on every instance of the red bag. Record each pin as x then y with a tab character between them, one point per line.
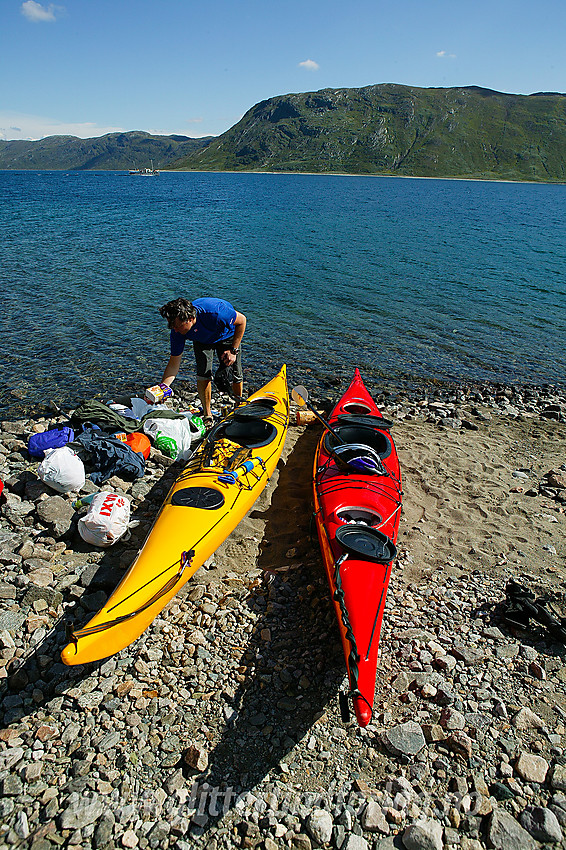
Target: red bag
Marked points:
137	442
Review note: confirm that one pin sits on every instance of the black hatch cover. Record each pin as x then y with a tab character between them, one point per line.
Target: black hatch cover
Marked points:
206	498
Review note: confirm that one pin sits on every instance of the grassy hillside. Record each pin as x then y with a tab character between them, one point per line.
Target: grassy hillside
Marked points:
382	129
113	152
393	129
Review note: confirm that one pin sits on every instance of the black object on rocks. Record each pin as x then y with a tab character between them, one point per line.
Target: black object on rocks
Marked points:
224	378
522	606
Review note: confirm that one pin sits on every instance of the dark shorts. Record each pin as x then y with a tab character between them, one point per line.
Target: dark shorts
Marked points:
204	355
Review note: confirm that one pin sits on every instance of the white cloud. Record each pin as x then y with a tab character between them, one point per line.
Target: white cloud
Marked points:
443	54
33	127
37	13
185	130
30	128
309	65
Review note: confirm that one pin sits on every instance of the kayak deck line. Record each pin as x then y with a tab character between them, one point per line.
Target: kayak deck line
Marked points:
379	605
178	575
339	596
74	637
354	655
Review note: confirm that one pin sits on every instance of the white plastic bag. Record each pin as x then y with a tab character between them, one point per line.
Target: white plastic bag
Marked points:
178	430
140	407
106	520
62	470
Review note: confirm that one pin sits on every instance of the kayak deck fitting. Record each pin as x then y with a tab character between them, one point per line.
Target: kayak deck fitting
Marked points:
357	499
219	485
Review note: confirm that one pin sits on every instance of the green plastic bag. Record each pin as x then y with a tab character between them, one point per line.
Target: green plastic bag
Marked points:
197	425
166	445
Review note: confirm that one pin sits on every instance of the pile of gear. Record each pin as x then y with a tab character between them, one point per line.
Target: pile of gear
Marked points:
102	440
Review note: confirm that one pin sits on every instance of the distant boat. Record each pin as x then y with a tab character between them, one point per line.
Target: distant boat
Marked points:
144	172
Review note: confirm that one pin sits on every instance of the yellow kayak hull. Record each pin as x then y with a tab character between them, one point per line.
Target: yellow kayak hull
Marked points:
202	508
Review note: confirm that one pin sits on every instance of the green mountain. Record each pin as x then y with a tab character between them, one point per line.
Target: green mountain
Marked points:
400	130
382	129
113	152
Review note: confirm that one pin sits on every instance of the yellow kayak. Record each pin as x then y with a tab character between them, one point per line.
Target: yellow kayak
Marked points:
219	485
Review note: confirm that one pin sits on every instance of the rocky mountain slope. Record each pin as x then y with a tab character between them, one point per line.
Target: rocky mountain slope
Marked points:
402	130
384	129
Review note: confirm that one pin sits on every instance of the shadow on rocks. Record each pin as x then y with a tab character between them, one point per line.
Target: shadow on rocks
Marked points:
292	665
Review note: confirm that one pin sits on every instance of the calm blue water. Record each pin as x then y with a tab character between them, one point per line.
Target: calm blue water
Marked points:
409	279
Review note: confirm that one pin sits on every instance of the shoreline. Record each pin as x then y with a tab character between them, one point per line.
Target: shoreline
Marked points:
373	174
411	388
239	676
295	174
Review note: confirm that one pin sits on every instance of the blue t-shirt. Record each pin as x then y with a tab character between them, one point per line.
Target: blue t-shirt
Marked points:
215	322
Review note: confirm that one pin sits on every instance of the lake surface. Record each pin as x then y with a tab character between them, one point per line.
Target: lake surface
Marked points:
408	279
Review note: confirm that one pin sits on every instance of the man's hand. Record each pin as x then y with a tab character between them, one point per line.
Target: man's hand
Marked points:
171	369
228	358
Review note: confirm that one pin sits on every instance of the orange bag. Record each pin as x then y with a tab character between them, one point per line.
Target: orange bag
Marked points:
137	442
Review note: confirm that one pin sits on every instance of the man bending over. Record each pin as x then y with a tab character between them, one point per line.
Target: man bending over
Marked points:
211	324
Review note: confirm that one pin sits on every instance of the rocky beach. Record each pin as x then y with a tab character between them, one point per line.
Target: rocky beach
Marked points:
220	726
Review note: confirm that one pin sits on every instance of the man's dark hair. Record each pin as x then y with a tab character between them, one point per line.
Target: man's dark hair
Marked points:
180	309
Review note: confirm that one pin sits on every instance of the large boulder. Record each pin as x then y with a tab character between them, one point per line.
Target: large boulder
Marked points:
57	514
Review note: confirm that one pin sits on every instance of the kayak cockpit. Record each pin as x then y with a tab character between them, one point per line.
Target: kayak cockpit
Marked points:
358	435
250	433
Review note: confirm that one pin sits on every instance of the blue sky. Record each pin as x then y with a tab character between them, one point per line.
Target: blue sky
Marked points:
88	67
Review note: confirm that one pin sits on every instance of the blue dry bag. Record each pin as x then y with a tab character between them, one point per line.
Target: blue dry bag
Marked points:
52	439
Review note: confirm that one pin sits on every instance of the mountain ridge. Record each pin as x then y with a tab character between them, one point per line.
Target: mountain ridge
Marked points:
391	129
112	152
386	128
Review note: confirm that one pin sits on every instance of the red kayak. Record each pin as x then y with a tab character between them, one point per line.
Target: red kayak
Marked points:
357	498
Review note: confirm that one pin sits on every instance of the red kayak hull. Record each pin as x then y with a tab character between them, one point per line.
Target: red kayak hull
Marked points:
345	496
